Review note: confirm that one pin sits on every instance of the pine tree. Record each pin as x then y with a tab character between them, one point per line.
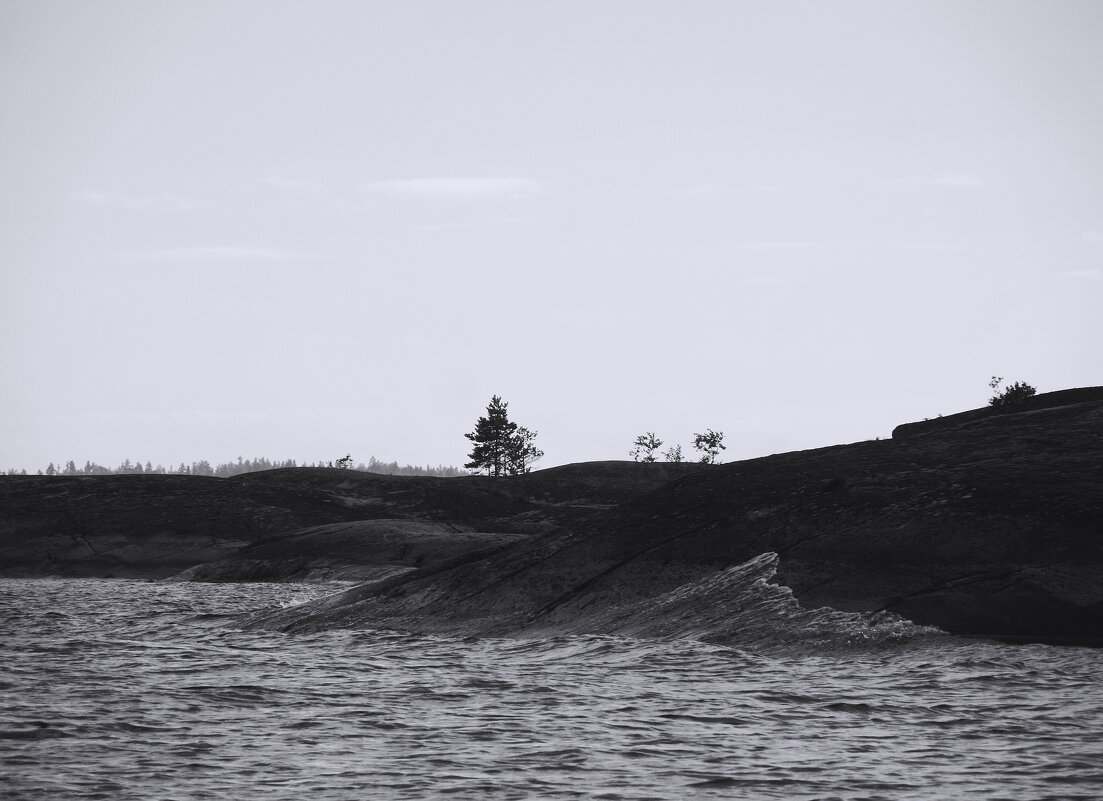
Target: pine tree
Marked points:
522	451
493	437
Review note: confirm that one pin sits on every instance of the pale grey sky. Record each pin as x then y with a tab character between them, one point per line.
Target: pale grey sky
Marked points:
305	229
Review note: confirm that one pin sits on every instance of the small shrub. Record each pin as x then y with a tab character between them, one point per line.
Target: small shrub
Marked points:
645	447
1013	395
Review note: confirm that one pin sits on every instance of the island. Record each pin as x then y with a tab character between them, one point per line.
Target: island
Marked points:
987	523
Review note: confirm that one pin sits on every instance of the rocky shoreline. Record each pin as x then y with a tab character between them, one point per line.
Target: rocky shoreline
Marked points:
986	523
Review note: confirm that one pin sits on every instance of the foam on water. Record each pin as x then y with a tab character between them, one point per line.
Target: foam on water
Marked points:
740	606
129	690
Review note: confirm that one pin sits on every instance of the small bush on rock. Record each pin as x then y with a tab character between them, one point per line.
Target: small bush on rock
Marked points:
1013	395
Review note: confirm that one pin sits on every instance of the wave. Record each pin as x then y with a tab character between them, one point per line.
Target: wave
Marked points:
740	607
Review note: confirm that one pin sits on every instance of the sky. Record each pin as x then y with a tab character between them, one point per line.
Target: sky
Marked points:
305	229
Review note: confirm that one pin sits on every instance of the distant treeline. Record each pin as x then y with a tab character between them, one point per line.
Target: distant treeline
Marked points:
227	469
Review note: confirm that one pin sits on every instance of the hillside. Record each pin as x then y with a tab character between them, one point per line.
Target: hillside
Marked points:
987	523
294	524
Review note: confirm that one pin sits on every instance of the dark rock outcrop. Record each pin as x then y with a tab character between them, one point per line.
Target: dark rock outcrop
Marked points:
1048	400
988	523
360	550
292	524
990	529
142	526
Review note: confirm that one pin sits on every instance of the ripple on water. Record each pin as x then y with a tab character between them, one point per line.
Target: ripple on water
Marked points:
130	690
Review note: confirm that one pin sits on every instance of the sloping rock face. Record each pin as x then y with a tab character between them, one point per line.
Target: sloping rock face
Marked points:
987	523
361	550
1047	400
296	524
990	527
142	526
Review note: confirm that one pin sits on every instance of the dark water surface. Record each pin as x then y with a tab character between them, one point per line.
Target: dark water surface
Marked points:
130	690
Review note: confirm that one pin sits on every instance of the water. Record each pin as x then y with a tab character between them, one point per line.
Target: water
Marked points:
131	690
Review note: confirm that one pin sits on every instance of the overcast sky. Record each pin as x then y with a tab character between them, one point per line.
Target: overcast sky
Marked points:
306	229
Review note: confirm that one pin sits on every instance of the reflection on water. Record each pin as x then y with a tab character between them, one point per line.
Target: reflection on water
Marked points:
130	690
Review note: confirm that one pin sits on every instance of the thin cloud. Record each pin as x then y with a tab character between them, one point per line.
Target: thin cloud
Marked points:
290	184
720	190
947	179
924	246
767	246
456	188
164	201
1092	236
1087	274
459	225
766	280
214	254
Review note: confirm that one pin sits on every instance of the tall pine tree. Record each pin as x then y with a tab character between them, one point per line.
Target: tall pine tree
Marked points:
501	446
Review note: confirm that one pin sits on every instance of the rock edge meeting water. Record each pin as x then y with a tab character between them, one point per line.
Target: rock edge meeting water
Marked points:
139	690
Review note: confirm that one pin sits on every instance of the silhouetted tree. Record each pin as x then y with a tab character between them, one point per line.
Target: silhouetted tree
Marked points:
243	465
646	445
1014	395
500	447
522	451
674	454
709	445
393	468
